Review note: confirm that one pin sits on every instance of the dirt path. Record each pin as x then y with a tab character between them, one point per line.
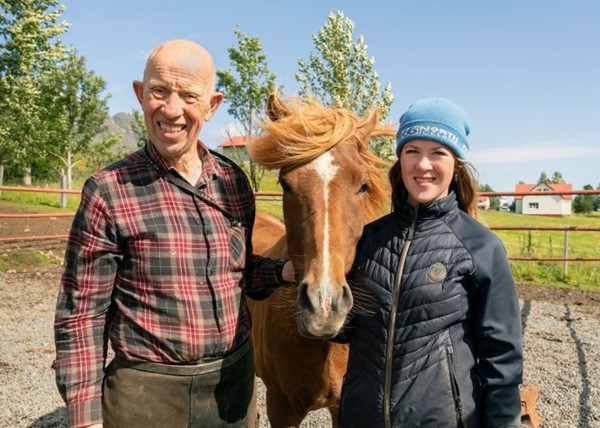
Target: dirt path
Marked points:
562	355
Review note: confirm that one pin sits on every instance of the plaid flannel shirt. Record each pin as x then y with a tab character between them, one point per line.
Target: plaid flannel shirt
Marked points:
160	268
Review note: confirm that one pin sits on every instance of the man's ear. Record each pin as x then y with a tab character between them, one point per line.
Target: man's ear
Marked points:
138	88
215	102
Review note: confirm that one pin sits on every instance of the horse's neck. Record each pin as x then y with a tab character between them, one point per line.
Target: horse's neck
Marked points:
279	250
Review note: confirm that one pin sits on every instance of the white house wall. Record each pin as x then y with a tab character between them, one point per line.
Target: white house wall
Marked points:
547	205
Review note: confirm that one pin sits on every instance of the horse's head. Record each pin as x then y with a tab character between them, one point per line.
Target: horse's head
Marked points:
332	185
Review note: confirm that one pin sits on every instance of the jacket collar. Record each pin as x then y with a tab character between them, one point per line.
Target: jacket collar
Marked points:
435	209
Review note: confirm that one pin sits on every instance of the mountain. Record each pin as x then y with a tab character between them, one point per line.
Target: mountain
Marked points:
117	124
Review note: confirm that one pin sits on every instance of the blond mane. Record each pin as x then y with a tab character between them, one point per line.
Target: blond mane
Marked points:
301	129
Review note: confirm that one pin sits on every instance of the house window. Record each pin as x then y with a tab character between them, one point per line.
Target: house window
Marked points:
534	205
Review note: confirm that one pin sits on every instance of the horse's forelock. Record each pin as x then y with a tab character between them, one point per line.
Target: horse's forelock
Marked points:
304	129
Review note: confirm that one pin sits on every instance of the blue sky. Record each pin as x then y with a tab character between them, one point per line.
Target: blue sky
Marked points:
527	72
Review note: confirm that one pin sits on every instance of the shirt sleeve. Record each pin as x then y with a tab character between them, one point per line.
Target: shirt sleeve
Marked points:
263	276
498	340
80	325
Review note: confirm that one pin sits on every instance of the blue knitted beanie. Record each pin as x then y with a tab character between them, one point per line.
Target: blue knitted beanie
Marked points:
436	119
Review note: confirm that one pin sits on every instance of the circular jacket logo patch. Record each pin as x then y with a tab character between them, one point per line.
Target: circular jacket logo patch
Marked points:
437	272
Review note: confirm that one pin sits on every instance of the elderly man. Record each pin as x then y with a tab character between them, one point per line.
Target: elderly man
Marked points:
158	264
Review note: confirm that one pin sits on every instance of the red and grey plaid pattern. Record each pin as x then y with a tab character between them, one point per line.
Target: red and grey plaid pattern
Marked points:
158	266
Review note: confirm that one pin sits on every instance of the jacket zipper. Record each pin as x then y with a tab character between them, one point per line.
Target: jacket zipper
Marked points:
454	387
389	357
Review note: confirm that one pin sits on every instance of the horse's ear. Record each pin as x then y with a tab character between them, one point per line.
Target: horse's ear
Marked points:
369	124
275	107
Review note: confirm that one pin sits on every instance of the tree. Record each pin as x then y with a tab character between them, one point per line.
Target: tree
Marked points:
557	178
29	50
74	111
247	93
494	201
341	74
543	178
104	153
139	128
585	203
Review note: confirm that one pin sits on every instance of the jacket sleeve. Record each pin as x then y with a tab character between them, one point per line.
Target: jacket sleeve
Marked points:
498	337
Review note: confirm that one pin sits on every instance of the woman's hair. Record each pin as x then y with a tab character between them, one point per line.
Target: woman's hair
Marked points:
464	185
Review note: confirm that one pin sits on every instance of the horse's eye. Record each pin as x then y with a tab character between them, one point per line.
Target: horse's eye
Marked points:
364	187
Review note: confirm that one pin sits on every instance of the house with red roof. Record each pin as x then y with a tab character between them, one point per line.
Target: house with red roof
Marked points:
539	204
234	149
483	202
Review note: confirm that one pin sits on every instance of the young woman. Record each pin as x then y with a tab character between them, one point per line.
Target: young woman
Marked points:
440	343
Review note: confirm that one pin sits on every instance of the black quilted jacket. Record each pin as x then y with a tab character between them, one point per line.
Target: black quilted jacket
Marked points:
439	344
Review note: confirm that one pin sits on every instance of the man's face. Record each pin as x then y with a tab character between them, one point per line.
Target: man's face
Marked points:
176	98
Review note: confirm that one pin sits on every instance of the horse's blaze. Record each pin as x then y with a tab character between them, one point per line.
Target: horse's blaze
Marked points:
324	298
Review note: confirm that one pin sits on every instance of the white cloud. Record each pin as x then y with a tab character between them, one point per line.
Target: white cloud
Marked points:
535	152
227	131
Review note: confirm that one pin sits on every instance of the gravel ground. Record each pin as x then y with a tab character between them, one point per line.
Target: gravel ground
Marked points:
562	357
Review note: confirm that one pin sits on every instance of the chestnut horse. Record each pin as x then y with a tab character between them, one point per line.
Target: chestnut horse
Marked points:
332	185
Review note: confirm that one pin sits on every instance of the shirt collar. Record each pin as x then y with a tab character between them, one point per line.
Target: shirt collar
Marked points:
210	169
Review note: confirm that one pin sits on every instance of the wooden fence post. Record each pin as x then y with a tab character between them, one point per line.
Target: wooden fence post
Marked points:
1	176
566	254
63	186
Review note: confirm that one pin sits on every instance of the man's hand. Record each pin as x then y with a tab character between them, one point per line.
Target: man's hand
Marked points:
288	272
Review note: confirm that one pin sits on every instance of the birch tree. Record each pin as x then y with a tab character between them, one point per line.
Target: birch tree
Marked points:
340	73
29	49
75	112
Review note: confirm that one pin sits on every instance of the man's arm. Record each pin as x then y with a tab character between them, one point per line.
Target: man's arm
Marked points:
91	261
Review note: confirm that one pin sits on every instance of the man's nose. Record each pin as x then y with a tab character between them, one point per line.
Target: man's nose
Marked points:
173	106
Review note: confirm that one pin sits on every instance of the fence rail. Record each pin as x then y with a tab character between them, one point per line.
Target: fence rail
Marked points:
277	196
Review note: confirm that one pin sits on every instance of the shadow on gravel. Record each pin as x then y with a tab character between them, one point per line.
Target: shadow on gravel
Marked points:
584	397
525	311
56	419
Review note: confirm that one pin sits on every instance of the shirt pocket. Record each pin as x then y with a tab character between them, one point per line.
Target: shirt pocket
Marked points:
237	247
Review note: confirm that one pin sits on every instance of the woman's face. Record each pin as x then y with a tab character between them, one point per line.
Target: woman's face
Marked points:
427	170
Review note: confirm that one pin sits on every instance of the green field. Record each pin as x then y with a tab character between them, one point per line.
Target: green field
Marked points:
551	244
536	244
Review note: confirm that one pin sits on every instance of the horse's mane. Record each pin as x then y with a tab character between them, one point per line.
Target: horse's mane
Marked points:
301	129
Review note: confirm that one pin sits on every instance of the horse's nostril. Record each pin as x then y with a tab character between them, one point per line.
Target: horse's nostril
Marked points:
346	292
304	301
344	303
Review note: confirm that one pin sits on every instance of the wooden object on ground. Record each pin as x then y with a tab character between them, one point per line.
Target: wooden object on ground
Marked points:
529	396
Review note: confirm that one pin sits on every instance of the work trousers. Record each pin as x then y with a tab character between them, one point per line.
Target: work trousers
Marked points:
147	395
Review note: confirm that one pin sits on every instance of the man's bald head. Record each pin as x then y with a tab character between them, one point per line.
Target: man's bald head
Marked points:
183	54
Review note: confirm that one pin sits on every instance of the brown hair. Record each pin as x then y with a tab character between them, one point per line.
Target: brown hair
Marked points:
464	185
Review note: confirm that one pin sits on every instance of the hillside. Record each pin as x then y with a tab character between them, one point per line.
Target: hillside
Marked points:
121	123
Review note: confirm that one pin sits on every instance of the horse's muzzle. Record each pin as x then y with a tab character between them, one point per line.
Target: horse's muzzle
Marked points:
322	311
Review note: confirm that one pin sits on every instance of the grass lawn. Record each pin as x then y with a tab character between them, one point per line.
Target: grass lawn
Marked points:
551	244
